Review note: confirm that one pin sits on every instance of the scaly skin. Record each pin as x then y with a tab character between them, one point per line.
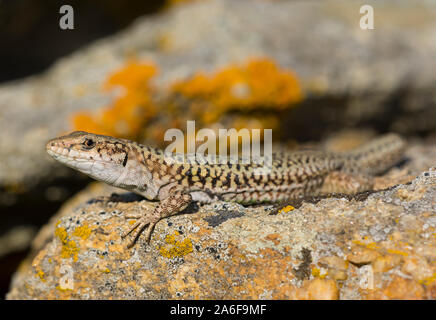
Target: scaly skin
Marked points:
145	171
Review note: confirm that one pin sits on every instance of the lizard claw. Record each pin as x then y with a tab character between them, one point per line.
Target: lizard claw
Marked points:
169	206
133	216
139	227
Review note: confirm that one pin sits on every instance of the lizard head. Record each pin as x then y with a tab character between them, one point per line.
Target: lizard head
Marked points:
101	157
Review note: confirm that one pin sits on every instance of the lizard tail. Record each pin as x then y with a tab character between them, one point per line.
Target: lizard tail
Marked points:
376	156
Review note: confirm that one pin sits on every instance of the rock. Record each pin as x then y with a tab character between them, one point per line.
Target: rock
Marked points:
366	73
401	288
380	79
319	289
386	262
361	255
201	255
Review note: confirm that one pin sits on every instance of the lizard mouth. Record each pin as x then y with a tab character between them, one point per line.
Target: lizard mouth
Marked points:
69	157
64	154
57	152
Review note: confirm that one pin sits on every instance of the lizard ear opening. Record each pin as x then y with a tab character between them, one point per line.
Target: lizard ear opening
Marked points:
125	160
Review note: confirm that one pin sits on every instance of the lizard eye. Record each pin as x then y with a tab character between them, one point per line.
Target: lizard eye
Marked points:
89	143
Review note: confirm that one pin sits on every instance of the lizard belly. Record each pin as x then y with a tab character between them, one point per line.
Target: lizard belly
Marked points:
202	196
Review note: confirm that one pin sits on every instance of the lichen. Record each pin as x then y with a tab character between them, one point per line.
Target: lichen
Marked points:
62	289
130	111
251	95
61	233
41	274
258	83
286	209
370	244
175	248
69	247
105	270
429	280
399	252
317	273
82	232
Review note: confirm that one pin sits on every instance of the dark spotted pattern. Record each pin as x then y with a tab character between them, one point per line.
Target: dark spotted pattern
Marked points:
291	176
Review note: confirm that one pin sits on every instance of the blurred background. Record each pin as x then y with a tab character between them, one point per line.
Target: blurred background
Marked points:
305	69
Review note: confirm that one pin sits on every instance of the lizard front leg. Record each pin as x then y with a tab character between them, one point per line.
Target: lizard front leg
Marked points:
173	204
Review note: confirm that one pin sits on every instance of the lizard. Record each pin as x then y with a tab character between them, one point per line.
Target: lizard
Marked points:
146	171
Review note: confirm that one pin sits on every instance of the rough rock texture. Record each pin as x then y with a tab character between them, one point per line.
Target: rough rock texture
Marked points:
366	74
375	246
382	79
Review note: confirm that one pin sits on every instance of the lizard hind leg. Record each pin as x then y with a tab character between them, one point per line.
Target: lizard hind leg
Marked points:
348	183
169	206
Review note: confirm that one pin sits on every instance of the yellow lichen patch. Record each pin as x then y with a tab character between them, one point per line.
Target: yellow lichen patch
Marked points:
318	273
130	111
69	249
62	289
175	248
40	274
61	233
399	252
367	244
82	232
286	209
105	270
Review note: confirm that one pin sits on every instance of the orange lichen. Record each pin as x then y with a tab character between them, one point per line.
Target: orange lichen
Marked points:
258	84
128	114
286	209
250	95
